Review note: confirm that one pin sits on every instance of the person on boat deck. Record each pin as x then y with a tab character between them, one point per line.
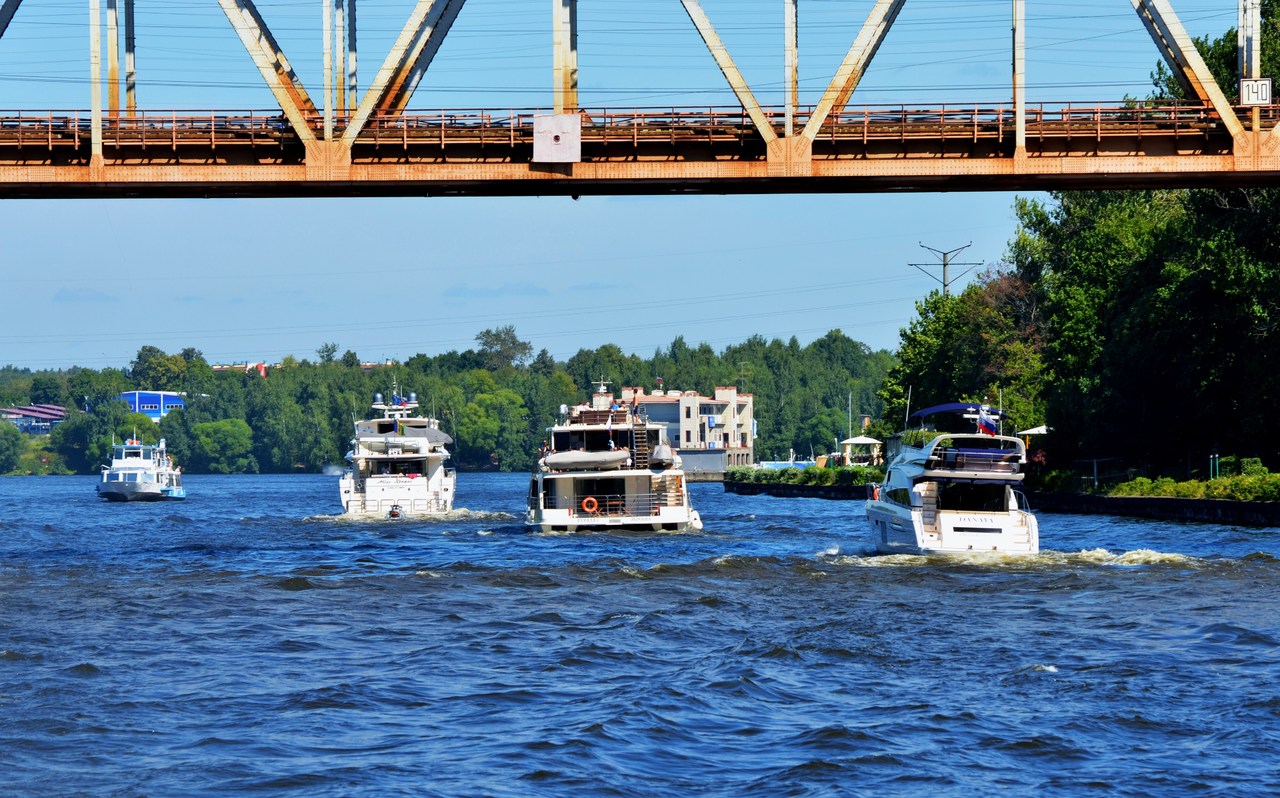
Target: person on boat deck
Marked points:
612	445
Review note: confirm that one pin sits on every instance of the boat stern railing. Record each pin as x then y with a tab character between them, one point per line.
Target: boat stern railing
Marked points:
604	505
994	461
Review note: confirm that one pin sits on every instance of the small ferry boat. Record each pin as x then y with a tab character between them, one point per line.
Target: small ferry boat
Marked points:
606	466
954	493
140	472
396	466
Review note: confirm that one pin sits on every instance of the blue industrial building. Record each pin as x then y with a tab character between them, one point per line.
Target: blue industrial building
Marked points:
155	404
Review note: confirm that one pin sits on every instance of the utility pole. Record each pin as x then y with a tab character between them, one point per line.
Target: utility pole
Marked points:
947	263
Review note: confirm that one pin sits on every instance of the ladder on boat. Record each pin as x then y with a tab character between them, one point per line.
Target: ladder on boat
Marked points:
639	443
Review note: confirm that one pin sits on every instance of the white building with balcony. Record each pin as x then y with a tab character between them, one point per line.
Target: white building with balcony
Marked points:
710	433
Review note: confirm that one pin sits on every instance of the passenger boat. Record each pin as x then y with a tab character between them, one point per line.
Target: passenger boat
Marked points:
140	472
954	493
396	466
606	466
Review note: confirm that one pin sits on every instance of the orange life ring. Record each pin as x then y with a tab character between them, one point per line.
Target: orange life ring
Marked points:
590	505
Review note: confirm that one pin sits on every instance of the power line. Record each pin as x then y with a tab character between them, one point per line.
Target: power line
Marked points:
947	263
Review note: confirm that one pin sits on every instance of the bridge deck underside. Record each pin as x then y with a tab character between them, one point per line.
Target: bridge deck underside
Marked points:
651	152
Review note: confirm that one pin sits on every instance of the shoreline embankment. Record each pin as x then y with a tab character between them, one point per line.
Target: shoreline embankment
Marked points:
1159	508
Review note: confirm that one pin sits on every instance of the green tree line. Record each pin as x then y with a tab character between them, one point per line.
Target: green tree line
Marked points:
1139	325
496	400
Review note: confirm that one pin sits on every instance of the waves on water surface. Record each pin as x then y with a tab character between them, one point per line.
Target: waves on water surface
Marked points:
245	642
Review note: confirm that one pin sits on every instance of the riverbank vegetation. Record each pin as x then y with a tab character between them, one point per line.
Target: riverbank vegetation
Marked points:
810	475
1246	480
495	400
1143	327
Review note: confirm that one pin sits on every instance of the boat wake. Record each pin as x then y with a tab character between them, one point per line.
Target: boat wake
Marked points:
1044	559
461	514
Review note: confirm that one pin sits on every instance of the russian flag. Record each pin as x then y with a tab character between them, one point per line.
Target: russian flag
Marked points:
986	421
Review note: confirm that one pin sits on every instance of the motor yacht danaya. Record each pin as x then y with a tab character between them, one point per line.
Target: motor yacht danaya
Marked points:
954	493
140	472
607	466
397	464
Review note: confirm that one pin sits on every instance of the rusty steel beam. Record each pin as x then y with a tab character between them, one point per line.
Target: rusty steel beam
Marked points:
327	36
620	178
113	58
352	94
1019	77
340	54
791	60
95	84
739	85
426	43
564	43
854	65
7	10
130	70
416	45
1180	53
271	62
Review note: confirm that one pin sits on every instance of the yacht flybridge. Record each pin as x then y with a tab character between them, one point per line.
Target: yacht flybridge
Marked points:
397	464
954	492
607	466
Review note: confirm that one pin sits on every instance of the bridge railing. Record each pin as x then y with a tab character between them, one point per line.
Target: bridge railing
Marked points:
606	126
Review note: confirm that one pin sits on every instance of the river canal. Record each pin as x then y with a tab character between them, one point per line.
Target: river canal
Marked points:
247	642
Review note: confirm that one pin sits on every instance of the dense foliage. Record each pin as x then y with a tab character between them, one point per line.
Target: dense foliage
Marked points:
495	400
1137	325
1142	326
810	475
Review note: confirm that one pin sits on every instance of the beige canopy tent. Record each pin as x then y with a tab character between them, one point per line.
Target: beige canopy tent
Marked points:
871	458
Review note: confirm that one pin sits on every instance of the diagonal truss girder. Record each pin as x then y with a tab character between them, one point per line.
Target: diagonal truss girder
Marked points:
275	68
406	62
730	70
6	13
854	65
1180	53
423	43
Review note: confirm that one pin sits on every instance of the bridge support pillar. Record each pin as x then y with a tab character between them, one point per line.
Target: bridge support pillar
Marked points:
790	156
328	161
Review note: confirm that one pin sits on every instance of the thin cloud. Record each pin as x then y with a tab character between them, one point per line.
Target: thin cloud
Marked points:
81	295
463	292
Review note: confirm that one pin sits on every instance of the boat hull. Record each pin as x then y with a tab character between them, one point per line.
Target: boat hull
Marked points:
139	492
564	521
396	497
643	501
901	530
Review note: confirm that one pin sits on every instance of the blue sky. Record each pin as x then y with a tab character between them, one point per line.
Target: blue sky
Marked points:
92	281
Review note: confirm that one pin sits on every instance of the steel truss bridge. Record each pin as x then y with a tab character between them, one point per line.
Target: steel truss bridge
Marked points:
378	145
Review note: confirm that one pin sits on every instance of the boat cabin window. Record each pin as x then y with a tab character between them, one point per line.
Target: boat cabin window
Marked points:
899	496
133	454
596	440
601	489
980	498
398	467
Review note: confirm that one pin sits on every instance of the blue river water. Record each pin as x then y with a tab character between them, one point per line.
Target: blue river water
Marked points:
246	641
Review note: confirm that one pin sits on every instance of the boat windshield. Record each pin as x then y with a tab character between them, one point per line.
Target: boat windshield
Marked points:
973	498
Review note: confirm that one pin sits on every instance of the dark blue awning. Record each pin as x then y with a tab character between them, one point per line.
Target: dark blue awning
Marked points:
962	408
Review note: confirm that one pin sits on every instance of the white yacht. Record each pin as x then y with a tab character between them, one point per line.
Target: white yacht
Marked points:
397	464
140	472
607	466
954	493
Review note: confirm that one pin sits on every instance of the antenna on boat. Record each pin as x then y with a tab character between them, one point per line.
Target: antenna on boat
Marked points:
907	419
